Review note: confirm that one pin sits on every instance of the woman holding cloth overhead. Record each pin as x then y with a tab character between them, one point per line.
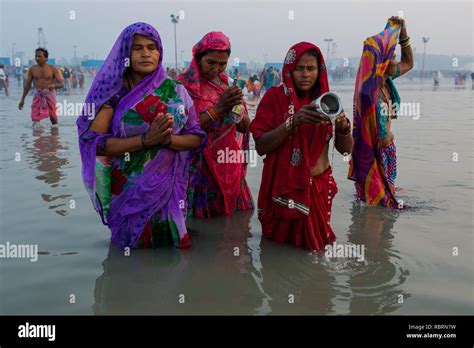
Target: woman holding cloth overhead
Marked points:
373	166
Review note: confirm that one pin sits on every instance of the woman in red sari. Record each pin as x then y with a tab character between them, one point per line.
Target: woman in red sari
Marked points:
217	182
295	198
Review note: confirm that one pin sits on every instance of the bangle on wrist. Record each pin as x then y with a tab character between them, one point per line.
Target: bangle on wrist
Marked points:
143	141
405	42
213	114
210	116
289	124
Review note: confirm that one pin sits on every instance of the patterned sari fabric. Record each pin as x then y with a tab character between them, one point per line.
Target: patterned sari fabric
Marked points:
140	195
388	154
217	183
293	206
372	166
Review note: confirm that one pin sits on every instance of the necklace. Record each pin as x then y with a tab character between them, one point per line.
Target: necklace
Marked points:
217	81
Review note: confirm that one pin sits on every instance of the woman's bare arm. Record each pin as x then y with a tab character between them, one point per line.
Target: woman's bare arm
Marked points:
114	146
406	63
270	141
343	143
184	142
243	125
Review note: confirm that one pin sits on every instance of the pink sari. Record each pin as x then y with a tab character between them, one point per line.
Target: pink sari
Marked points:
217	182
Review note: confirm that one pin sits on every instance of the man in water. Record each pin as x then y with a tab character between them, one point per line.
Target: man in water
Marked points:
3	79
44	100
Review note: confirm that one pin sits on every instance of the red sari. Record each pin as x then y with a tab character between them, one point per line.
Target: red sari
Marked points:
293	206
217	184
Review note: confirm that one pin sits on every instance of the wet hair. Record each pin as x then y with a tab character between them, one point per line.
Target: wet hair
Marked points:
203	53
44	50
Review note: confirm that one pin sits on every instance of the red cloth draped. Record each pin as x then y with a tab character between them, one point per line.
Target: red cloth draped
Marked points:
222	135
281	177
313	232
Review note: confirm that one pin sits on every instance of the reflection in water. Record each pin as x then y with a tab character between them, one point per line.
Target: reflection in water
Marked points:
210	275
375	284
145	282
264	278
294	283
253	244
45	159
230	270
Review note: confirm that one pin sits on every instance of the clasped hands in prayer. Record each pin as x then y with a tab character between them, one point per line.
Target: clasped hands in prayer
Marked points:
160	130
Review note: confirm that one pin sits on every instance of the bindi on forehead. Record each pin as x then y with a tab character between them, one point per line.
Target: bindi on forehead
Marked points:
306	65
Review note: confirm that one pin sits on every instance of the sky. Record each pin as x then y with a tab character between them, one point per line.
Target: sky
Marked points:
260	31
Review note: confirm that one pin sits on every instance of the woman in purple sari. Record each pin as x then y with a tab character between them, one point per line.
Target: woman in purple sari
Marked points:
137	144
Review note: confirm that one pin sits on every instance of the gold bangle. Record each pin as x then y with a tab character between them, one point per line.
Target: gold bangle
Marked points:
405	42
210	116
214	113
405	39
289	124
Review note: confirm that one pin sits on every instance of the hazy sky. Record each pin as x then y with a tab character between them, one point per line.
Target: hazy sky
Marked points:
256	28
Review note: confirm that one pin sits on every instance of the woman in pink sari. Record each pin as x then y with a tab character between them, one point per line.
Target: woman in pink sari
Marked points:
217	182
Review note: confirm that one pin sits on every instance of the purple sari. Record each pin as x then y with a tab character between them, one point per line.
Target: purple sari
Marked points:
143	193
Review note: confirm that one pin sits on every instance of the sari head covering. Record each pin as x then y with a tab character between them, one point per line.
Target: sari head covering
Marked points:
191	78
287	171
205	93
366	166
150	180
228	178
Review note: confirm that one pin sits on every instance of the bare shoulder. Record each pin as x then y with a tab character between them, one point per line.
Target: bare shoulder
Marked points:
55	70
34	70
50	67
